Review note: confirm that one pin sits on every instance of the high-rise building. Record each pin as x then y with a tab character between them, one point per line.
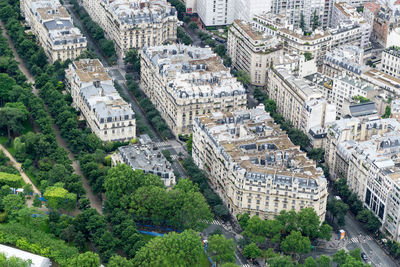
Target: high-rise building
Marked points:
184	82
253	165
54	28
134	23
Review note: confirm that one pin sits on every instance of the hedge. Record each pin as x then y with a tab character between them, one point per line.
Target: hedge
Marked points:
11	180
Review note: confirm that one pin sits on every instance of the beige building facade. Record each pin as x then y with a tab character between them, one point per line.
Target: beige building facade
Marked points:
253	165
252	51
184	82
134	23
93	93
54	28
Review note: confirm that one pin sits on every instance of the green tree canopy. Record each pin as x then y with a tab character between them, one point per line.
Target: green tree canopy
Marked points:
173	249
221	249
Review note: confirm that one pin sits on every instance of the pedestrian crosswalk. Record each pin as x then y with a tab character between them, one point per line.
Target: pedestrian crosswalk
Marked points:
216	222
360	239
162	144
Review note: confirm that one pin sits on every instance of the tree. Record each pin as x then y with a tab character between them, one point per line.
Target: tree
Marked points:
307	56
193	25
302	23
6	85
118	261
310	262
221	249
315	20
87	259
387	112
243	77
132	57
12	203
37	202
296	243
59	198
251	251
12	119
173	249
280	261
308	222
324	261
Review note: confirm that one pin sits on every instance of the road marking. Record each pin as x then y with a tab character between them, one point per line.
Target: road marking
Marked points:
161	144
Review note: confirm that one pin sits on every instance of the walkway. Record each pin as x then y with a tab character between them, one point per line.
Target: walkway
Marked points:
17	165
94	200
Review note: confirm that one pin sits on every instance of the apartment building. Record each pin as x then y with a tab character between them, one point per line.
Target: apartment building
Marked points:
353	129
345	88
370	11
345	59
252	51
317	43
184	82
54	29
294	10
299	100
148	158
391	61
93	93
253	165
134	23
223	12
373	174
343	11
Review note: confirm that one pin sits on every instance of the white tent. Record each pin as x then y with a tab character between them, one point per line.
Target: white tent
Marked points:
37	261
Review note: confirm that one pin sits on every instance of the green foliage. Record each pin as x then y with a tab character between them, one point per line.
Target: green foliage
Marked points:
308	56
344	259
251	251
152	113
296	243
97	33
59	198
12	203
167	155
37	242
193	25
221	249
145	196
198	177
361	99
118	261
12	120
12	180
173	249
387	113
132	58
87	259
13	261
243	77
189	144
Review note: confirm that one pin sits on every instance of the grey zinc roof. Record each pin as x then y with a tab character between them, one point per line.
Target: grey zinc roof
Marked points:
363	109
58	24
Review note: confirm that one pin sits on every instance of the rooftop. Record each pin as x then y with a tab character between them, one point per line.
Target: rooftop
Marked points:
104	101
193	71
135	12
254	144
393	50
89	70
146	157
